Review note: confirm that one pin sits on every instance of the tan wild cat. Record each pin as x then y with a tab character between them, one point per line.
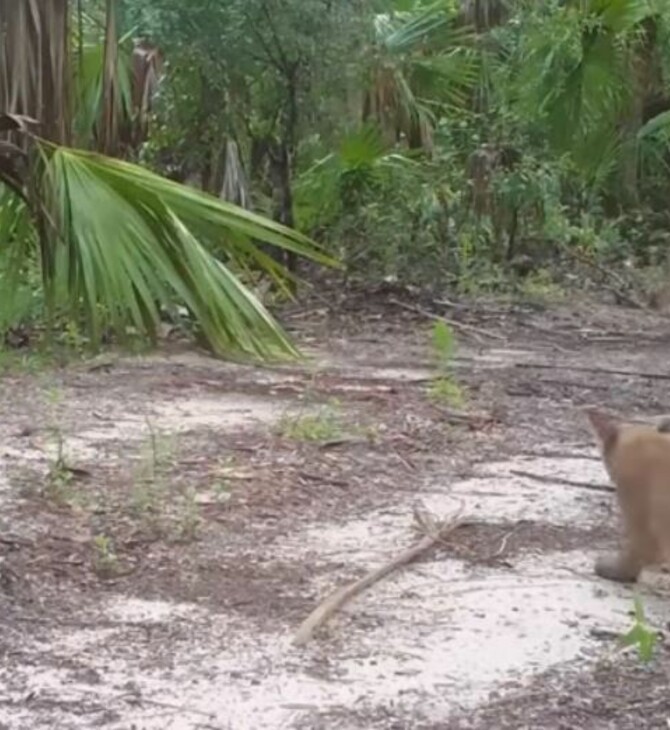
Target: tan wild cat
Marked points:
637	459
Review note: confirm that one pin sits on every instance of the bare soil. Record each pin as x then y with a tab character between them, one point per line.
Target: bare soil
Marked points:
169	520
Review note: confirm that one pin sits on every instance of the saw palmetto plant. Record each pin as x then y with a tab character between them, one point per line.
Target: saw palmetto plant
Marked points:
114	242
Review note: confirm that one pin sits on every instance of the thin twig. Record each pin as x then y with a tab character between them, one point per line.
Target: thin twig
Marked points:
572	383
559	455
505	539
461	418
438	531
597	371
617	288
476	332
565	482
138	699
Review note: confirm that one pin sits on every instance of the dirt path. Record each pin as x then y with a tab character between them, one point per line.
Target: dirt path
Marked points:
167	522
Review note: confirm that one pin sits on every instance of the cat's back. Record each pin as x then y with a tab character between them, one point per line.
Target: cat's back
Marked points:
640	457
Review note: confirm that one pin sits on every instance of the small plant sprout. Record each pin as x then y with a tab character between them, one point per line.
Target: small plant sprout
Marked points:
222	491
150	491
444	343
444	389
59	477
322	425
105	559
59	482
641	635
187	520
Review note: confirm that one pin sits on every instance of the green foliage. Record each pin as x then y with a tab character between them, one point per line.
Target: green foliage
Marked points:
444	342
137	243
559	84
415	145
320	426
105	559
444	389
641	635
343	181
164	509
247	70
88	76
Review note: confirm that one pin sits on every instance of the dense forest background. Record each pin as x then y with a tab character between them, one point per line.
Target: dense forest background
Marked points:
456	147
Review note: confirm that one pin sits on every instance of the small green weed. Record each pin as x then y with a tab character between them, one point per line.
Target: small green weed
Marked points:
154	501
59	484
539	286
105	559
445	389
187	520
323	425
444	344
641	635
22	361
150	490
222	491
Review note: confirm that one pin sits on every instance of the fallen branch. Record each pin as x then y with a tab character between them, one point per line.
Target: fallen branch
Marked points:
571	383
460	418
559	455
477	332
505	539
596	371
435	531
619	285
565	482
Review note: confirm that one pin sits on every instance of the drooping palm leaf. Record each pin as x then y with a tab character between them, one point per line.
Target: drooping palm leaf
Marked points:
88	77
115	242
412	29
363	160
122	243
425	60
578	67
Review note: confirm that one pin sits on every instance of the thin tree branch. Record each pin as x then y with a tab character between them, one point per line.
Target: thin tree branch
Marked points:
436	531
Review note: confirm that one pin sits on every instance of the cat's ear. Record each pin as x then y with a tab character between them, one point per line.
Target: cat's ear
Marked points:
605	426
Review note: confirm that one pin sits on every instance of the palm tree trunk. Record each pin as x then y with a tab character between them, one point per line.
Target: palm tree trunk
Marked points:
647	83
34	63
109	124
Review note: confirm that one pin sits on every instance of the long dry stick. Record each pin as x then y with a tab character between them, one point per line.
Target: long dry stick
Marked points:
476	332
549	454
619	285
338	598
545	479
595	371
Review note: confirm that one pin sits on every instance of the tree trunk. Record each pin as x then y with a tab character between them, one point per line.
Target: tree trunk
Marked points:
111	100
34	77
647	83
282	194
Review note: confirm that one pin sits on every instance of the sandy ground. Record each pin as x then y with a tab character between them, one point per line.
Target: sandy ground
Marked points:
168	521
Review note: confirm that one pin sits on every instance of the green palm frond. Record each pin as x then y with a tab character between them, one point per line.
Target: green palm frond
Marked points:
577	74
89	85
449	76
361	148
405	32
18	254
362	160
654	143
120	243
590	96
424	60
621	16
